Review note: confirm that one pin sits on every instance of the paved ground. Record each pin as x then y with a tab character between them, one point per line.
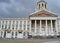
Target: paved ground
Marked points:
27	40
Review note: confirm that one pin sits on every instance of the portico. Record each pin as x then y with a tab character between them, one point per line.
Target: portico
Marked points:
43	27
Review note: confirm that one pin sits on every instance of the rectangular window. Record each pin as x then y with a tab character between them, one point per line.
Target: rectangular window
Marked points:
16	22
24	22
21	22
3	22
12	33
27	27
9	22
20	28
24	34
13	22
28	22
6	22
9	27
16	34
13	27
5	26
16	26
2	26
24	28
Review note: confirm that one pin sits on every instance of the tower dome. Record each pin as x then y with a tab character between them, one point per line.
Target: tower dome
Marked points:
41	5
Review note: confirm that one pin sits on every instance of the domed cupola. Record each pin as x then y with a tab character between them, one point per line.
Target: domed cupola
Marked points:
41	5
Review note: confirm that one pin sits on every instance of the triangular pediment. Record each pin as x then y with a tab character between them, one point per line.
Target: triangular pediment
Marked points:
43	13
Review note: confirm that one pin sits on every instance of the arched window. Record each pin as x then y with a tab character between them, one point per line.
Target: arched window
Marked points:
39	6
42	4
45	5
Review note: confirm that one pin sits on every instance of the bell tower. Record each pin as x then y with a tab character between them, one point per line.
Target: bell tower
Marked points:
41	5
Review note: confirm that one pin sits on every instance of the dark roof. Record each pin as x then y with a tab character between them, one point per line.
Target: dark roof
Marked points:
41	1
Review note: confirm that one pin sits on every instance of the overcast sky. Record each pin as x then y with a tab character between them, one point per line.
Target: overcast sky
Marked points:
23	8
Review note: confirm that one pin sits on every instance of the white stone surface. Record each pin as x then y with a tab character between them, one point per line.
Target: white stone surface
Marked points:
8	35
19	35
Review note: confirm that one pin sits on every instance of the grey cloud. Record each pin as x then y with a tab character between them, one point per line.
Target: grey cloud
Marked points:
22	8
5	1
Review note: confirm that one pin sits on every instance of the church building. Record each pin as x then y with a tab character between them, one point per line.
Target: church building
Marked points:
42	22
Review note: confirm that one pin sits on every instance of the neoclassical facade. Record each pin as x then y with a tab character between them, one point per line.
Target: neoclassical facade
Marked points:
40	23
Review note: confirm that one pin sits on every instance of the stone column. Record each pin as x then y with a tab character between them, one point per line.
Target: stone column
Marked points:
11	34
26	29
1	25
18	25
30	27
4	24
15	25
40	26
14	34
7	24
26	25
56	27
35	27
11	25
22	25
3	34
51	27
46	28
